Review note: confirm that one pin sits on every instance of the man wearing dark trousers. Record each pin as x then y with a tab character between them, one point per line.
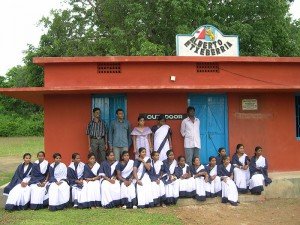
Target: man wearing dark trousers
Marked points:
190	131
97	136
119	138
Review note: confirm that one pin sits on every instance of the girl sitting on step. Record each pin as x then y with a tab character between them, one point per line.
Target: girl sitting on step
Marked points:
18	190
187	187
201	178
38	183
258	172
241	161
58	188
229	190
213	186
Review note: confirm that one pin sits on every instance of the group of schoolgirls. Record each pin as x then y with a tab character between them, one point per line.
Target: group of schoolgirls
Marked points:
242	174
141	183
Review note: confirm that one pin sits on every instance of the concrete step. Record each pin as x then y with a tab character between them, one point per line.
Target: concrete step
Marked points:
284	185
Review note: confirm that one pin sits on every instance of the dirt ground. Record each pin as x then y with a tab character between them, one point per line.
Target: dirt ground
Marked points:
9	164
272	211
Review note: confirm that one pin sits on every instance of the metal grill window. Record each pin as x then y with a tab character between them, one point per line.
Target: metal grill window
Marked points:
207	67
107	68
297	116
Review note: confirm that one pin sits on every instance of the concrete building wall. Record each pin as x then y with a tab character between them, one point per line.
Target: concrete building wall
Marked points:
152	76
66	118
272	126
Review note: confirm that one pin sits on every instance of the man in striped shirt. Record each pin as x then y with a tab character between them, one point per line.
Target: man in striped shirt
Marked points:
97	136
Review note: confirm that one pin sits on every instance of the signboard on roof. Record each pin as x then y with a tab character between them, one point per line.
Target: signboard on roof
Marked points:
207	40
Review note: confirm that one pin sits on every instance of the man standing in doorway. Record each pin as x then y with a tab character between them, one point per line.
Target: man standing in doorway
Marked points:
97	136
190	130
119	134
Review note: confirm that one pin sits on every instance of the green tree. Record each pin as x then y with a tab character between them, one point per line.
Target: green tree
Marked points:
18	118
149	27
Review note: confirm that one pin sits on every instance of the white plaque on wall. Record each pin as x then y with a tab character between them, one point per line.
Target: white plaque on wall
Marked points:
249	104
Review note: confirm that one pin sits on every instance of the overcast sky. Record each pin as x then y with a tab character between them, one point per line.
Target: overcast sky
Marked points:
18	26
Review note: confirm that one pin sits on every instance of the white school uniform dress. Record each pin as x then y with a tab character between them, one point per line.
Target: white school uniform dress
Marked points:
59	195
128	194
229	189
199	183
18	196
91	189
78	196
144	192
171	187
142	139
39	195
241	177
158	190
213	188
257	179
110	193
187	186
161	140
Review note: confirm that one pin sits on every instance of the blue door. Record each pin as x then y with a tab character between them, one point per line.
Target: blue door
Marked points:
108	105
211	109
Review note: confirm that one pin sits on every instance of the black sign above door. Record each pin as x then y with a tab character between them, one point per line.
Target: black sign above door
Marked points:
168	116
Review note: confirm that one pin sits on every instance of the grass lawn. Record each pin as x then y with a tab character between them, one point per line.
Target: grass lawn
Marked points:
11	152
5	177
17	146
273	211
87	216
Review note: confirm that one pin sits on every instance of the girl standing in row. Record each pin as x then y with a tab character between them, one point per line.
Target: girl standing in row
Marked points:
162	134
141	137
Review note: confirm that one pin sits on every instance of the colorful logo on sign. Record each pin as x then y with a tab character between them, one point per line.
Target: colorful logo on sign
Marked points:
206	33
207	41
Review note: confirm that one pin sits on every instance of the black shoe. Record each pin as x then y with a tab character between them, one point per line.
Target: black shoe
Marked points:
234	203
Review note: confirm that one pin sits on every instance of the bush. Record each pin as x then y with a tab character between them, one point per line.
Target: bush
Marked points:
14	125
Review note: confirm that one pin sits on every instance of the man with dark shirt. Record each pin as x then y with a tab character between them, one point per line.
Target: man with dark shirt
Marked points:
119	134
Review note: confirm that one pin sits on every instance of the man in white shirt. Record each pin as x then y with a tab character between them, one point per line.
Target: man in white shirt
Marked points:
190	131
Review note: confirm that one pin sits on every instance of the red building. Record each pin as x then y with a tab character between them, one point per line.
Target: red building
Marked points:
249	100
